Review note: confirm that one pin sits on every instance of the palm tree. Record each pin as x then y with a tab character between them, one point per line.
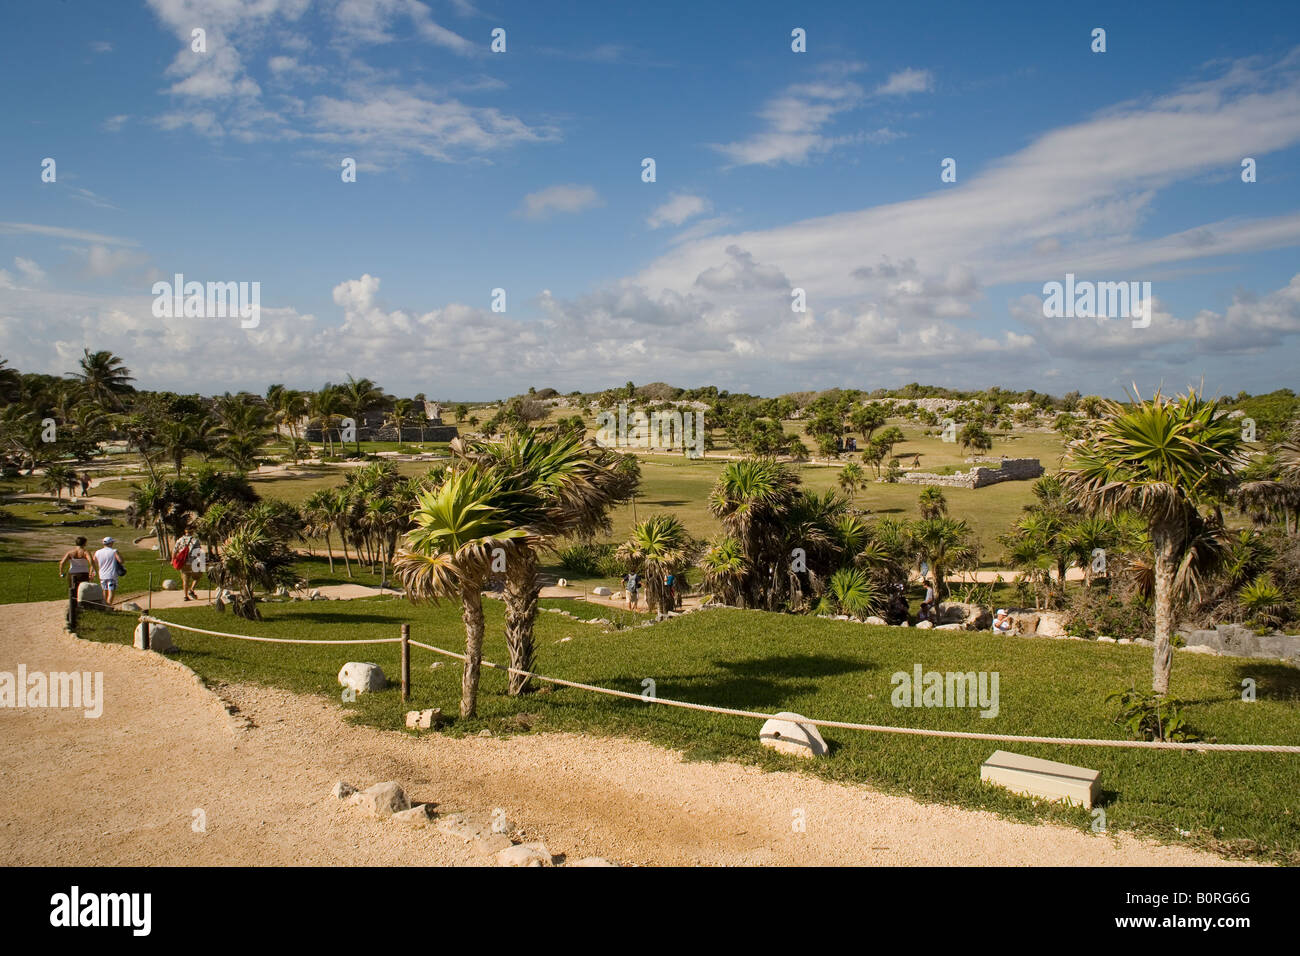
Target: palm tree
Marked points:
105	377
932	502
852	592
659	546
1160	459
318	514
944	545
563	485
252	556
325	408
851	478
725	569
751	498
448	554
56	479
242	430
360	395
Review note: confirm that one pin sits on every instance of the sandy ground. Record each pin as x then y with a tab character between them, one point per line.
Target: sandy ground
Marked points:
123	789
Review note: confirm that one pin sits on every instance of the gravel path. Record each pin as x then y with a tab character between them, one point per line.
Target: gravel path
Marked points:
122	789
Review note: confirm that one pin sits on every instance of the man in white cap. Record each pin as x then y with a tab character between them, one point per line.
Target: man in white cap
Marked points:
110	569
1002	623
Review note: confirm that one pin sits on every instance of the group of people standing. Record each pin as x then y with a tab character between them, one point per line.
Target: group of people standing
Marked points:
632	588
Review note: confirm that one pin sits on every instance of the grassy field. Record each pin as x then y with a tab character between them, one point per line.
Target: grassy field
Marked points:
1237	804
681	486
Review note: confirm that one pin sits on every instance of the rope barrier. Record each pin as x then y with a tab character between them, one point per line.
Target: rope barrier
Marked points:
759	715
265	640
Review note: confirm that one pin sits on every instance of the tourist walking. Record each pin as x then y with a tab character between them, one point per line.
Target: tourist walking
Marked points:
187	559
111	569
85	484
77	558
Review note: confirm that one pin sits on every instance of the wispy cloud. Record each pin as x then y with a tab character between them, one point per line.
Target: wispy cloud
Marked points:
794	124
59	232
906	81
677	210
559	199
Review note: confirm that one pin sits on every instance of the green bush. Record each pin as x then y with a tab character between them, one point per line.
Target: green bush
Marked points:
1150	716
590	561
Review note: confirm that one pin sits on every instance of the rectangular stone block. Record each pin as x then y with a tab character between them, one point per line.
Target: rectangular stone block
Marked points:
1048	779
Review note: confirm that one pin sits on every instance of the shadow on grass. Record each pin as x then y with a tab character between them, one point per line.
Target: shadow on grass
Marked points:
1272	680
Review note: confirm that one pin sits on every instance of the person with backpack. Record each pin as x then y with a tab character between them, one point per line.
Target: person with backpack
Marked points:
670	592
186	559
111	568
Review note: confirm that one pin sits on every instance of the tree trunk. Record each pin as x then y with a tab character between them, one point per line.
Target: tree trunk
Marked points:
1167	540
471	601
330	550
521	615
343	543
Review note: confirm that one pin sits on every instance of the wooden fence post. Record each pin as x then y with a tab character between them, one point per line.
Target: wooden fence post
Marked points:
406	662
144	634
72	606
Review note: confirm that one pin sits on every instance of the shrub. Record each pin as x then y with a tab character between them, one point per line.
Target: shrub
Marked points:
1092	612
1150	716
590	560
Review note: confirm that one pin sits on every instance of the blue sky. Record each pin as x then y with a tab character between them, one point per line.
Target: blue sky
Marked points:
522	170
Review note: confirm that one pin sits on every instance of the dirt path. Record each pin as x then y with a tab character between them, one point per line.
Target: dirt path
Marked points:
122	789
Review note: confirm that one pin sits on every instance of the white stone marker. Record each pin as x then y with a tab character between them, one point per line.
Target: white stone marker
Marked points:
1042	778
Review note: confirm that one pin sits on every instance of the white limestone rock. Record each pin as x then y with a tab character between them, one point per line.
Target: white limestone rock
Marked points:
160	638
382	800
362	677
786	733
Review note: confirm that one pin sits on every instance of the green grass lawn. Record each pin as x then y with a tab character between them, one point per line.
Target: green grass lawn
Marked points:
1238	804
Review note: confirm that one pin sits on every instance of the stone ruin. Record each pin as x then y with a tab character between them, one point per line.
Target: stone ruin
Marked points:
1010	469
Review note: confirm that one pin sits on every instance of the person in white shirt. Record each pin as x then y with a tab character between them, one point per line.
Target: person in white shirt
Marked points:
1002	623
110	569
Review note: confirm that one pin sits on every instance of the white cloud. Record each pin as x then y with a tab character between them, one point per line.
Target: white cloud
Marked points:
794	123
32	272
677	210
559	199
906	81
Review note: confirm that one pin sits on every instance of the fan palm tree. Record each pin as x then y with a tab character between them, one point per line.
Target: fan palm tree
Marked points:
659	546
448	554
1161	459
852	592
751	498
932	502
851	478
564	485
725	569
944	545
252	556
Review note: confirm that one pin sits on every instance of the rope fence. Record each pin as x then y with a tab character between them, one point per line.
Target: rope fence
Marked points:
759	715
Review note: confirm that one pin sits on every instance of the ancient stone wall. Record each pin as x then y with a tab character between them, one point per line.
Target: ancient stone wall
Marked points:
1012	469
